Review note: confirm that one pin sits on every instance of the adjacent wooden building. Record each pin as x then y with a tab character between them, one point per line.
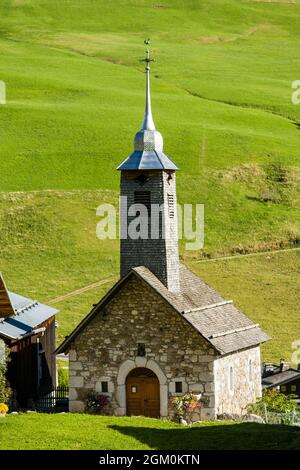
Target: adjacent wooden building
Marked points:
282	377
27	329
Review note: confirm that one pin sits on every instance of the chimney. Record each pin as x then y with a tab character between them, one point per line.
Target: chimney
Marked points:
284	365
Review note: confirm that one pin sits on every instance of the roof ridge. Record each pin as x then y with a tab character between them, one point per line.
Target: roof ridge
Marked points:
31	304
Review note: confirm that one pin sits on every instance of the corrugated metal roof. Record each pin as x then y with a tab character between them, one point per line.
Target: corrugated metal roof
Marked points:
29	314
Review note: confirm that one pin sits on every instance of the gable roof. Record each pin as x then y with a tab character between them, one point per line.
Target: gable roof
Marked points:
217	320
281	378
25	314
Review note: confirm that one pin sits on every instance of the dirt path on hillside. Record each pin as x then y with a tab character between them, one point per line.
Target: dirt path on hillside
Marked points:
81	290
113	278
248	255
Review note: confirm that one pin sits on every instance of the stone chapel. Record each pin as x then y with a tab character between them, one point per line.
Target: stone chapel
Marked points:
161	331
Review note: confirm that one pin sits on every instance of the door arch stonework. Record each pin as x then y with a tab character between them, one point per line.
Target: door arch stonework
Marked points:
130	364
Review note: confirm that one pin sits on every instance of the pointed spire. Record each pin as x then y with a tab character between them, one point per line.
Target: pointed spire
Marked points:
148	123
148	142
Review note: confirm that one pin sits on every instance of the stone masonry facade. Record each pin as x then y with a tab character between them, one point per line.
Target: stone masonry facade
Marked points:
106	350
237	381
159	254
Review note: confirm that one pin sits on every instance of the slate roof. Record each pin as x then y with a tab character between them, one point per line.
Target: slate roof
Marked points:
217	320
147	160
26	315
280	378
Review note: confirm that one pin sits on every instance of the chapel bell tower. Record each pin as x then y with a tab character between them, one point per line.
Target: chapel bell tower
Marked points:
148	181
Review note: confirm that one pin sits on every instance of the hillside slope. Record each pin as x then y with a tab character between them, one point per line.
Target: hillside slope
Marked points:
75	97
75	87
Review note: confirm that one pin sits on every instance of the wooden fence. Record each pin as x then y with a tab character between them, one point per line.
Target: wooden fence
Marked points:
55	400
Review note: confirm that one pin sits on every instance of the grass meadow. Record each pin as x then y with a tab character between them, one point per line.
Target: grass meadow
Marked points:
82	432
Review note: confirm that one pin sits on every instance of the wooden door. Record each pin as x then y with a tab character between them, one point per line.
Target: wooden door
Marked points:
142	391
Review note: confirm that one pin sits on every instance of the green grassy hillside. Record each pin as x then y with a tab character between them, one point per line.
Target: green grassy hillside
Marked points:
221	92
75	87
221	97
49	248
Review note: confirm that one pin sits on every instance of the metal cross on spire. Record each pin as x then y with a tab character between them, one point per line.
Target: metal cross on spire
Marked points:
148	123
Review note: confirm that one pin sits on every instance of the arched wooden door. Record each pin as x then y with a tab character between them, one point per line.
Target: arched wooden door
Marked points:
142	393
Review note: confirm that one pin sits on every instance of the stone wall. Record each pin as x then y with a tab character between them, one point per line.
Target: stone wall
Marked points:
237	381
106	350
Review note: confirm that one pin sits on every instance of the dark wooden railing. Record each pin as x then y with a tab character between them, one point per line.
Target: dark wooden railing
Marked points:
55	400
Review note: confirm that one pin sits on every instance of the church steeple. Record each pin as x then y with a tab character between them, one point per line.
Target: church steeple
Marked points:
148	142
148	123
148	178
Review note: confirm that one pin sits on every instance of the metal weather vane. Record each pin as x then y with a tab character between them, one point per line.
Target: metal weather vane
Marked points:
147	58
148	122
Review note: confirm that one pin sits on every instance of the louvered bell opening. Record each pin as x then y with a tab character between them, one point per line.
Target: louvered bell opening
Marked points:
171	206
144	198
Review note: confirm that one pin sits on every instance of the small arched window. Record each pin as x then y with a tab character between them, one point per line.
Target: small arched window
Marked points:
231	379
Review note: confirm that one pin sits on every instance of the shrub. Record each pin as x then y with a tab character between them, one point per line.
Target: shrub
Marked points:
185	404
95	402
63	377
273	401
4	389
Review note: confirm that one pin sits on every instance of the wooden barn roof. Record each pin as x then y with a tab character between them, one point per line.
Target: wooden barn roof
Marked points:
20	315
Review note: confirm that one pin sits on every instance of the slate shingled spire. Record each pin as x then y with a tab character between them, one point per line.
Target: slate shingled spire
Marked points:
148	142
148	178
